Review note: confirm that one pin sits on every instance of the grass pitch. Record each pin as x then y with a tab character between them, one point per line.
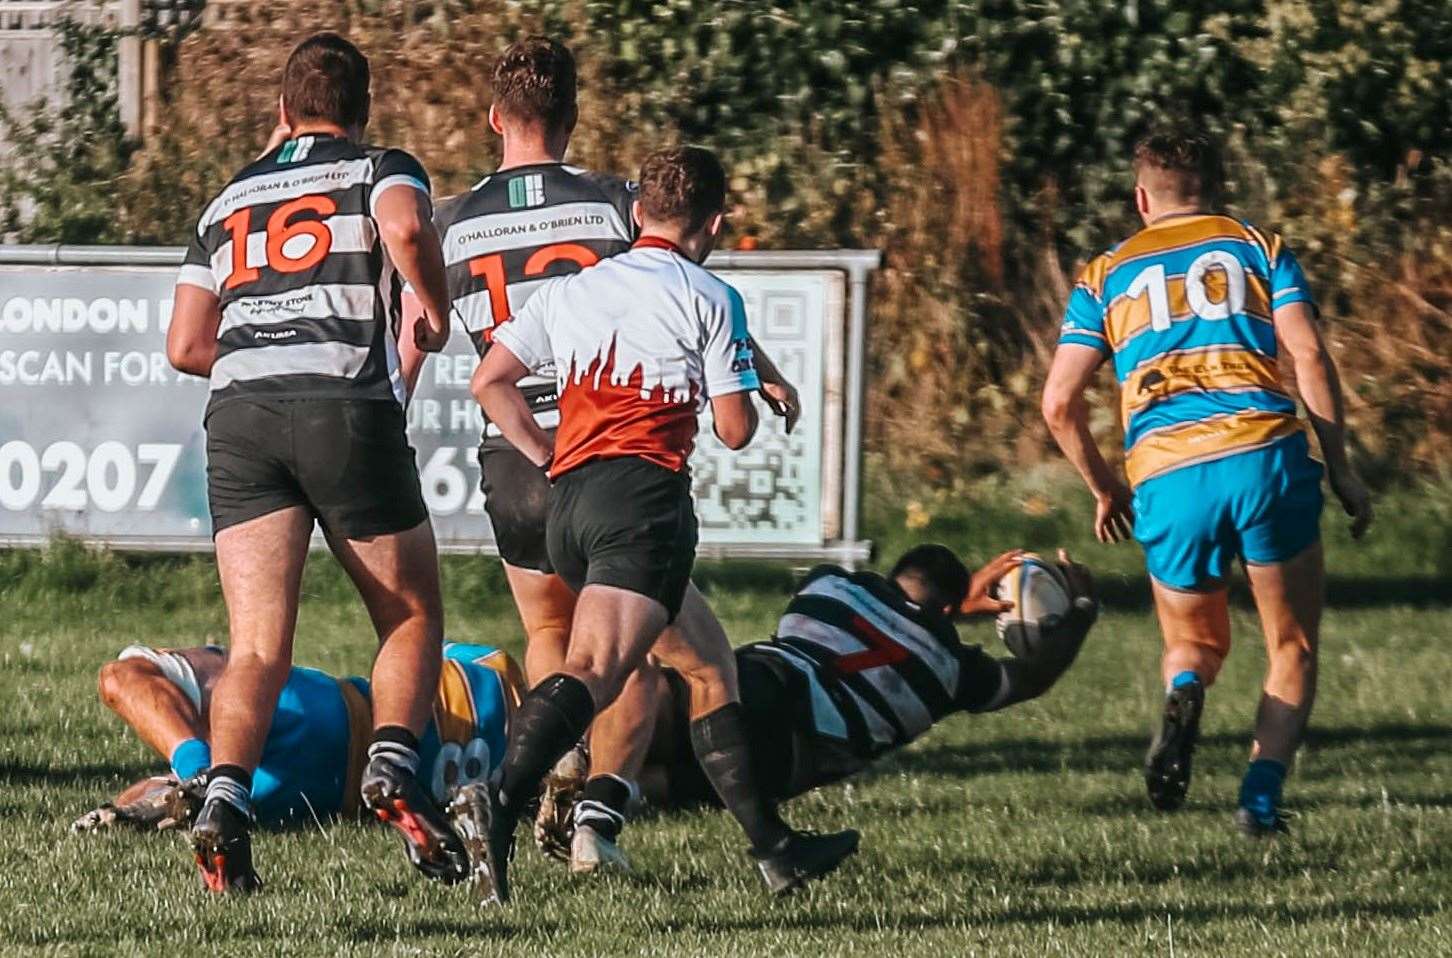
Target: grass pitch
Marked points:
1025	832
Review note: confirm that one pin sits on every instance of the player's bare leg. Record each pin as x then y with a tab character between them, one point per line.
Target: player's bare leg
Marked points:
546	607
398	577
613	630
260	564
619	739
146	700
1196	629
1289	596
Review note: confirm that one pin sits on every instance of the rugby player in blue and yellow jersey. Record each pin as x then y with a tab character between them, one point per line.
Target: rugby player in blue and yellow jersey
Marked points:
1196	310
317	739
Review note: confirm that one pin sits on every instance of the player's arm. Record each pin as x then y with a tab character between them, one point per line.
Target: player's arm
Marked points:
410	356
1320	387
1022	679
729	364
191	340
734	419
1067	413
496	388
778	392
404	213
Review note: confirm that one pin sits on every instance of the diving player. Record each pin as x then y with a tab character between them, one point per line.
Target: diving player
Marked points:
1195	310
860	665
316	745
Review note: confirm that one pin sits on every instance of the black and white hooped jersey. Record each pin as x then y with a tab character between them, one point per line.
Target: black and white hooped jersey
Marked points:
309	299
517	229
880	669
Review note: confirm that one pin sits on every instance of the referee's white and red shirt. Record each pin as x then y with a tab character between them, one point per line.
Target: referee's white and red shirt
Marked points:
639	343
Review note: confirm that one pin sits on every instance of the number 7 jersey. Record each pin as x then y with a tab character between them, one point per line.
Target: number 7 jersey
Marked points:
309	300
1185	307
518	228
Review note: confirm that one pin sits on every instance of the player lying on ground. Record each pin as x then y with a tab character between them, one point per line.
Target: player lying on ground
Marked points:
313	756
860	665
1195	310
638	343
533	219
289	302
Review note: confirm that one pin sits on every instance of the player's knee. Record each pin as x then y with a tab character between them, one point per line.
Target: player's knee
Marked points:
116	680
111	684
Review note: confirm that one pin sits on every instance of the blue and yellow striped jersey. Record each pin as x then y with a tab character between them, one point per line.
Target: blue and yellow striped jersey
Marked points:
1184	306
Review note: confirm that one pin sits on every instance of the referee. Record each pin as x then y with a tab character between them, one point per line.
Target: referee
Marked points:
289	302
535	218
637	343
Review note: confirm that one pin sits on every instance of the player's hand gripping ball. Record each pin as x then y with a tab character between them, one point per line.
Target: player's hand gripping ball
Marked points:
1041	598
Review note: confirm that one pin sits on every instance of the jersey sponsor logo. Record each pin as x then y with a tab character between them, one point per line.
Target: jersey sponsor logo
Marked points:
286	185
565	223
296	150
526	191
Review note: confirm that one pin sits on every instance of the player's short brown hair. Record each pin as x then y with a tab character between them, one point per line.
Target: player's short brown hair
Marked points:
326	78
1180	163
535	82
683	184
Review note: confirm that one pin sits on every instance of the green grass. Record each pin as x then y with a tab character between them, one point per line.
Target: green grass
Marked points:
1023	833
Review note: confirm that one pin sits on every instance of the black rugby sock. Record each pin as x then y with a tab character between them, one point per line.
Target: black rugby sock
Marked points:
396	744
231	784
548	724
603	803
721	746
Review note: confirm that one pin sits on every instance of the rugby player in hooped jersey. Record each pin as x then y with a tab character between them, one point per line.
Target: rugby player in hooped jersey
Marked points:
1194	311
533	219
860	665
289	302
637	342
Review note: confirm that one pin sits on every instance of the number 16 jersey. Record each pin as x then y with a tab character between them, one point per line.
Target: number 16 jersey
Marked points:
310	301
513	231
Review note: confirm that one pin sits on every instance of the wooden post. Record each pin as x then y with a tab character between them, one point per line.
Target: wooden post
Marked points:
129	82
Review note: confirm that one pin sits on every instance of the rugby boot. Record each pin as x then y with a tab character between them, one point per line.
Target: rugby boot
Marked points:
803	856
149	812
592	852
396	797
554	822
222	844
1167	765
1252	825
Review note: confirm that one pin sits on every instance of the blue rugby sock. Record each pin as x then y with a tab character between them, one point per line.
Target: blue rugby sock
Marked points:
1260	790
191	758
1185	678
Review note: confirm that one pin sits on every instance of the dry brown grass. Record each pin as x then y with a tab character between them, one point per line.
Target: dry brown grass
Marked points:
966	310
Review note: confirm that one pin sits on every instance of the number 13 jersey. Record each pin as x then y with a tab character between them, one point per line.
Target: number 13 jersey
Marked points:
309	299
513	231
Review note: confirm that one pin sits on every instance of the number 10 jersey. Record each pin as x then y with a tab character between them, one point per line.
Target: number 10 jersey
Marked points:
513	231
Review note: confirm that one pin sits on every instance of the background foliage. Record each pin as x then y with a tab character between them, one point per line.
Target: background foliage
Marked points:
981	143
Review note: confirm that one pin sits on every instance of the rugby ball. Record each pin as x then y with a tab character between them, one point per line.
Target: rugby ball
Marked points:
1040	597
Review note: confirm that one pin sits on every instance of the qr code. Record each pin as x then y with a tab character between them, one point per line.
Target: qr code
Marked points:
773	486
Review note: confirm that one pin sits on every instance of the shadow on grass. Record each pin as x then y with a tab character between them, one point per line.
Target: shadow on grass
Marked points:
1119	592
1393	744
1126	913
471	929
18	773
